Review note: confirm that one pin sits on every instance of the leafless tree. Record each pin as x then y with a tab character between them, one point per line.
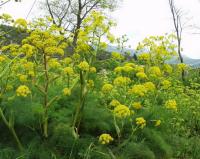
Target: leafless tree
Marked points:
3	2
71	13
177	15
178	26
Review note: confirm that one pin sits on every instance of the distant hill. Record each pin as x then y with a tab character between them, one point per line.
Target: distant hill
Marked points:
195	63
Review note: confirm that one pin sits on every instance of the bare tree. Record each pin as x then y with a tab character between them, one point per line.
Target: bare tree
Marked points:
4	2
176	14
178	25
71	13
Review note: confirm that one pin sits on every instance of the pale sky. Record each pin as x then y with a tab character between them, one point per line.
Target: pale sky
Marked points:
137	19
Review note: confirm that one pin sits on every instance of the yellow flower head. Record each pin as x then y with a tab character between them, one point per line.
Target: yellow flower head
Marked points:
182	66
114	103
84	66
53	63
93	70
28	50
53	50
139	90
28	66
107	88
127	69
23	91
66	91
105	139
122	81
117	56
171	104
68	70
23	78
90	83
166	84
141	75
121	111
144	57
21	23
118	69
155	71
149	86
67	60
137	105
139	68
141	122
167	68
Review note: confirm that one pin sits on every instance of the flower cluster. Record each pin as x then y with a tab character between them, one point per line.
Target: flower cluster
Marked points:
121	81
141	75
105	139
166	84
84	66
121	111
68	70
155	71
141	122
139	90
171	104
23	91
66	91
107	88
149	86
114	103
144	57
117	56
137	105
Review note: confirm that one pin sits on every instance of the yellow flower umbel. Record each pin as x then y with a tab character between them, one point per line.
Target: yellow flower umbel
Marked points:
84	66
114	103
107	88
149	86
67	60
118	69
137	105
182	66
141	122
139	68
144	57
54	64
23	91
117	56
171	104
90	83
66	91
141	75
121	111
23	78
166	84
127	69
122	81
155	71
93	70
139	90
167	68
68	70
105	139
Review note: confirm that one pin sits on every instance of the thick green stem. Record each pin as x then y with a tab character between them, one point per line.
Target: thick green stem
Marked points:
12	130
79	109
46	87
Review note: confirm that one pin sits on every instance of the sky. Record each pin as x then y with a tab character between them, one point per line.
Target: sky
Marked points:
137	19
